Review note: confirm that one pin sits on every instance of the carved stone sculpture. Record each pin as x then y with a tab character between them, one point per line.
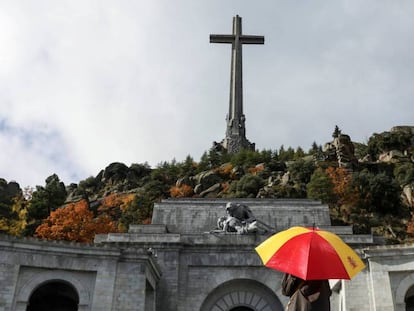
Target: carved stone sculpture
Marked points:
239	219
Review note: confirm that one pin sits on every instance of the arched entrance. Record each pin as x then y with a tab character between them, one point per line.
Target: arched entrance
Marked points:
409	299
404	295
242	295
54	296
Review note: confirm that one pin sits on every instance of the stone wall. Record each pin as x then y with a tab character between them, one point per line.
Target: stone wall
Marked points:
200	215
173	266
390	276
98	274
197	262
195	266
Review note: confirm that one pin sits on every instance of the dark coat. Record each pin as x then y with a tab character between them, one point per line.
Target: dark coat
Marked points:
306	295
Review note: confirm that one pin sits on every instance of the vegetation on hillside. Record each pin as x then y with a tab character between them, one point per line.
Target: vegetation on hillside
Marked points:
372	194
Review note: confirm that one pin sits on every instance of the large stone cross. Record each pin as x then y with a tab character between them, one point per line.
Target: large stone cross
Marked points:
236	132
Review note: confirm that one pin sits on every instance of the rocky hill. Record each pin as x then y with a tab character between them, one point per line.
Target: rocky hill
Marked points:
379	173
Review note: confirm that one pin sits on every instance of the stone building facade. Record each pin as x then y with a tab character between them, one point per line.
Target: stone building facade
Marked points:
180	263
38	275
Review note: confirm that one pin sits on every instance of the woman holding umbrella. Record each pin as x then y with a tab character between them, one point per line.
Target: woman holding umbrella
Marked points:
309	257
306	295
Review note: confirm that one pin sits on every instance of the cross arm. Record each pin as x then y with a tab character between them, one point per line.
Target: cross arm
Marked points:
252	39
221	38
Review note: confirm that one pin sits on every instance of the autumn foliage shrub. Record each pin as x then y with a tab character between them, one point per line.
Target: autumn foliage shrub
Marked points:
342	185
74	222
181	191
225	187
410	225
225	170
114	205
116	201
256	169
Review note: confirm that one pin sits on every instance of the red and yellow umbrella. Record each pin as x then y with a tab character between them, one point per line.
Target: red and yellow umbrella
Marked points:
311	254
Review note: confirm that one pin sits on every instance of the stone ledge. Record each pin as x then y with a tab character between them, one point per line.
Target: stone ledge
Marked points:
358	239
395	251
58	247
147	229
137	238
252	202
339	230
211	239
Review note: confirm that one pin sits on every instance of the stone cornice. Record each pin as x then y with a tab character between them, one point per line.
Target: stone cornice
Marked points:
56	247
389	251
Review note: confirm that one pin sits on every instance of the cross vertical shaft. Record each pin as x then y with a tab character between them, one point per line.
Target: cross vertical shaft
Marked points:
235	139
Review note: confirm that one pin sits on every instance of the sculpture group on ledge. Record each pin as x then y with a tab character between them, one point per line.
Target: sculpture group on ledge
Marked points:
239	219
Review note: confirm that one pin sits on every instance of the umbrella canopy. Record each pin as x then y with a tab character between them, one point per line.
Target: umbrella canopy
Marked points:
311	254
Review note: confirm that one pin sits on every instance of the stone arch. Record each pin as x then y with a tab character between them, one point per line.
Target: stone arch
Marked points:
242	294
25	292
409	299
404	292
54	295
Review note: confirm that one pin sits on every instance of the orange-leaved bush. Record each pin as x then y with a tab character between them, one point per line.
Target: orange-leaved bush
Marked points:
342	185
181	191
114	205
256	169
410	225
74	222
116	200
225	170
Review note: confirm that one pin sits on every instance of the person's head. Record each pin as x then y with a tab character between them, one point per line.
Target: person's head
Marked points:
229	206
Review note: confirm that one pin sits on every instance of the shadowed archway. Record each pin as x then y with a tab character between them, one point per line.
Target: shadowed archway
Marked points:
242	295
409	299
54	296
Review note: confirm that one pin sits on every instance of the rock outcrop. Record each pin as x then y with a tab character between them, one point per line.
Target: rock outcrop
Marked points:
341	150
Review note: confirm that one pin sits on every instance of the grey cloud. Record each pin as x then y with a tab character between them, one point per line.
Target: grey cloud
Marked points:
137	81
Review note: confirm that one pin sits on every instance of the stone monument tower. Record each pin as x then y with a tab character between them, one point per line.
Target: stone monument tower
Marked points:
235	139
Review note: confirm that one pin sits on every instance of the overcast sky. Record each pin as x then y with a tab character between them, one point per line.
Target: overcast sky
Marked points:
87	83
